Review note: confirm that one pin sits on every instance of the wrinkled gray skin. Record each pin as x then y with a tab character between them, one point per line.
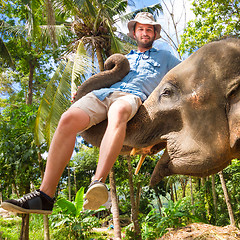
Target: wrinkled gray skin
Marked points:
194	114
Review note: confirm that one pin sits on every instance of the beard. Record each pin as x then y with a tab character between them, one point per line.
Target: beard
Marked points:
144	43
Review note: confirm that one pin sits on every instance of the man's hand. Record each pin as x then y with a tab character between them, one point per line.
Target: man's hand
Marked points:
73	96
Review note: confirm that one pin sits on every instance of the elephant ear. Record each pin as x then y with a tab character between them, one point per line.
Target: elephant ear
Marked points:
234	117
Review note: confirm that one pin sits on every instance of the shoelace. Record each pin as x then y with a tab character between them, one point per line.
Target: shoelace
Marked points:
96	181
28	196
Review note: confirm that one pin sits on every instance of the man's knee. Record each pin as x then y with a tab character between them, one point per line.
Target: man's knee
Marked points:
73	119
120	110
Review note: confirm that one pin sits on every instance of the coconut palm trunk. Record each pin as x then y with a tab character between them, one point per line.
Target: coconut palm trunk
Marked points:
100	58
115	209
137	230
227	199
214	196
191	189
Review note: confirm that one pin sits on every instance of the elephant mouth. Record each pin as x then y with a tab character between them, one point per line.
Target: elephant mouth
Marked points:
157	147
150	150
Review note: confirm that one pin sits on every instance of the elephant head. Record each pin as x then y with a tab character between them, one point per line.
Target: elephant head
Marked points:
194	114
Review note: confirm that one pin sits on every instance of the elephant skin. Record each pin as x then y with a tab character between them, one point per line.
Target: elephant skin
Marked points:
194	114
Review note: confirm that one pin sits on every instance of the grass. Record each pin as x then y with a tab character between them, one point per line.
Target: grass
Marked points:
10	229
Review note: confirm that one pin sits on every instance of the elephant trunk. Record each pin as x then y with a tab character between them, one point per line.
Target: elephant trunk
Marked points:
139	129
137	133
149	126
116	67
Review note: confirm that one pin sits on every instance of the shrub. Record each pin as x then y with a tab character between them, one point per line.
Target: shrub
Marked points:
69	221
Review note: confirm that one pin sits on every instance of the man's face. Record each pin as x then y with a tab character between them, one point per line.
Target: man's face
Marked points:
144	35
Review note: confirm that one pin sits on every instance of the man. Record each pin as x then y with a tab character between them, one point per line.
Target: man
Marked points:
119	104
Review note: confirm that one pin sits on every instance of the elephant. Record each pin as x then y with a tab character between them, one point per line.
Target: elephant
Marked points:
194	114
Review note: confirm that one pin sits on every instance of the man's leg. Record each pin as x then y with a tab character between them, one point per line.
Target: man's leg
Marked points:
111	145
62	145
113	138
72	121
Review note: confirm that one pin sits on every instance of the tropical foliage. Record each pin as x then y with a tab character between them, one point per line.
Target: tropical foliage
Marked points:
70	215
45	47
18	156
214	20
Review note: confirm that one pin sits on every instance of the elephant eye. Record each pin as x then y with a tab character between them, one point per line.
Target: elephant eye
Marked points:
167	92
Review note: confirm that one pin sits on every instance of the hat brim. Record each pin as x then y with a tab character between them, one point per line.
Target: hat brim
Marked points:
131	25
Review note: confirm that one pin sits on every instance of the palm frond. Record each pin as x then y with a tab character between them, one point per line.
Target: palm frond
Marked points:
128	46
15	31
90	7
97	20
55	101
82	65
63	7
155	10
5	55
32	24
116	45
61	33
126	39
79	3
61	101
120	5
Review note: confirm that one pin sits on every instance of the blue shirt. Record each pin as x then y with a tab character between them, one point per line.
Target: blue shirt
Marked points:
146	71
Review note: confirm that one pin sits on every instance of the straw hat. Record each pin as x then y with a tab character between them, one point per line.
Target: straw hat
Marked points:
144	18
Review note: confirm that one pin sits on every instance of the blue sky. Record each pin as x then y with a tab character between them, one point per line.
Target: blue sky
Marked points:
145	3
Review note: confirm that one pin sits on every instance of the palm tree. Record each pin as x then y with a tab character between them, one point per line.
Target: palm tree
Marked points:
134	210
115	209
227	199
93	25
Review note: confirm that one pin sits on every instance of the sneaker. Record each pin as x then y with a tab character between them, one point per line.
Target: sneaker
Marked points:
96	196
35	202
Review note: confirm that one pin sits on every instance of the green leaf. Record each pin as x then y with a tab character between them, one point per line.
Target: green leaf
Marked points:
65	220
67	206
79	201
90	8
4	53
81	66
55	101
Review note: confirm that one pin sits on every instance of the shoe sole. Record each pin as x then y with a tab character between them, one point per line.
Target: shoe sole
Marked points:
13	208
96	196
